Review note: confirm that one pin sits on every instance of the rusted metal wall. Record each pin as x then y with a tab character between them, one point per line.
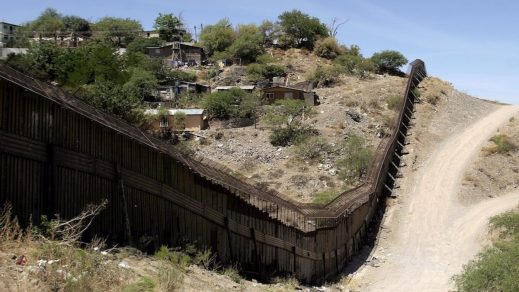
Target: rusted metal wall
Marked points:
58	155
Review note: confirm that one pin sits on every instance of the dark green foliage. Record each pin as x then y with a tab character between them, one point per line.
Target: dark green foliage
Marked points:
169	27
141	84
44	58
261	71
497	267
181	75
233	103
301	30
286	116
119	31
217	37
388	61
139	44
248	44
112	98
76	24
352	63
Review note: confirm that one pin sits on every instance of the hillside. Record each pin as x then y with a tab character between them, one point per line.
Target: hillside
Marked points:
350	107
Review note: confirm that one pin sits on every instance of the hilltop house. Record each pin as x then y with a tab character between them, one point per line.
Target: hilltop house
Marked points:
7	33
171	90
278	92
178	119
178	54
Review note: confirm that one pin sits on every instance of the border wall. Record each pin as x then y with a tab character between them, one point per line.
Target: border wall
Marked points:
58	154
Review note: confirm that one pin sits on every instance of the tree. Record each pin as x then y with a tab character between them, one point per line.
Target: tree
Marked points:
233	103
217	37
120	31
169	27
76	24
141	84
388	61
48	24
357	157
335	24
248	44
44	58
139	44
301	30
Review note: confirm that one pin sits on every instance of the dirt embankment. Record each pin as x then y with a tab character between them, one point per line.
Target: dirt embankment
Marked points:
419	244
496	170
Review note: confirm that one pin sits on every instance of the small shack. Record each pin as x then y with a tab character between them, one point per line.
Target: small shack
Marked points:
272	94
170	91
178	119
178	54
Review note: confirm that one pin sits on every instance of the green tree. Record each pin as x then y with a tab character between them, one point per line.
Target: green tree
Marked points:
44	57
388	61
111	98
76	24
48	24
233	103
248	44
169	27
287	117
141	84
301	30
217	37
120	31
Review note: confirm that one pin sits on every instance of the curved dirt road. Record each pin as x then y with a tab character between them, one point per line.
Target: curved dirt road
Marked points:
431	233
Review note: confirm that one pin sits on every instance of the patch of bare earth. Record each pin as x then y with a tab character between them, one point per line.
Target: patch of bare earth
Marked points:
494	172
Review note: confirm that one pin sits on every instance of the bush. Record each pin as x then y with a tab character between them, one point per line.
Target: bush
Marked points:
393	102
283	137
388	61
356	159
248	44
260	71
312	148
181	75
328	48
497	267
234	103
503	144
324	76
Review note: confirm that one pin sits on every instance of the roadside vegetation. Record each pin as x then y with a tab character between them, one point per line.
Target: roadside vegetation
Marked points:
497	267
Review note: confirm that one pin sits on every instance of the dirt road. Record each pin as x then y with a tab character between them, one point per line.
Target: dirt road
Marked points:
429	235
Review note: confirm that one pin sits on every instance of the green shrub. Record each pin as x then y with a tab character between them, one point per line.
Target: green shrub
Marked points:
311	148
324	76
355	65
233	273
503	144
265	59
282	137
393	102
182	75
497	267
233	103
328	48
356	159
325	197
259	71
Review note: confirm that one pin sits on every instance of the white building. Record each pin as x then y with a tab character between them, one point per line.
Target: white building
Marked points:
7	33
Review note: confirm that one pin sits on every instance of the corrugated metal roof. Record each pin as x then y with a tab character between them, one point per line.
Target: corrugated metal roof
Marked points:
173	111
244	87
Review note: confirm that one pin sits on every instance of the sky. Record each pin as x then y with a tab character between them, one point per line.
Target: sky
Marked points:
473	44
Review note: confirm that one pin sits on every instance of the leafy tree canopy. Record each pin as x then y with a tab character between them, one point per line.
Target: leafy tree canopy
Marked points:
248	44
217	37
301	30
120	31
169	27
388	61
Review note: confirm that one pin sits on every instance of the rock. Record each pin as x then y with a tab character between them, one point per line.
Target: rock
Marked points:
355	116
124	265
333	172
